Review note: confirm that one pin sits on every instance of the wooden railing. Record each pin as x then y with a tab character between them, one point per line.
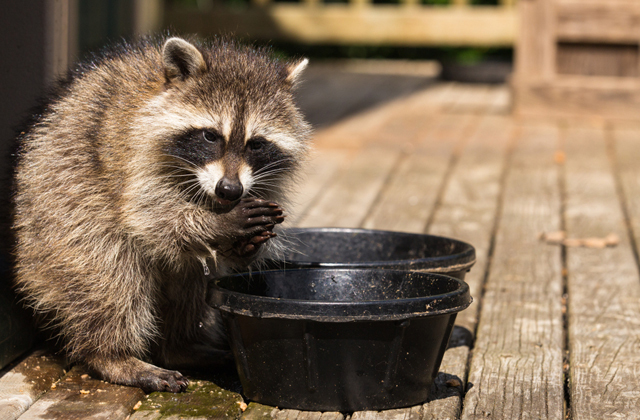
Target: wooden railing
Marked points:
408	23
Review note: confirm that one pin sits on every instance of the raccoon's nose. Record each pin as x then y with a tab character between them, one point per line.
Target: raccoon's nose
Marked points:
228	189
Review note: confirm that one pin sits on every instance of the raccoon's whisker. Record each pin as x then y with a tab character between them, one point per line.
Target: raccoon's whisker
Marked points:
272	174
189	190
266	184
182	159
261	192
177	174
187	182
272	165
199	197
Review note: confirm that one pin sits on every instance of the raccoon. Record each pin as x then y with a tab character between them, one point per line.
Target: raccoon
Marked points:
152	166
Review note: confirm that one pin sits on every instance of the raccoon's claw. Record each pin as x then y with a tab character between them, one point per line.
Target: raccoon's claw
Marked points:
253	244
263	220
257	213
164	381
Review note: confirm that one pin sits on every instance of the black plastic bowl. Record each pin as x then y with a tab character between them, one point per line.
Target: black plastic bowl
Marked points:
365	248
338	339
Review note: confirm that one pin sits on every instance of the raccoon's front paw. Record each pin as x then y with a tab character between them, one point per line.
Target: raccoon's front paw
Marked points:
256	219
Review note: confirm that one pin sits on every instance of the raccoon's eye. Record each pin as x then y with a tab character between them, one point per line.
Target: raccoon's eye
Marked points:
256	144
211	136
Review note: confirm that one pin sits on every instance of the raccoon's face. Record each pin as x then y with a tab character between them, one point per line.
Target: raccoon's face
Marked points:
236	130
229	166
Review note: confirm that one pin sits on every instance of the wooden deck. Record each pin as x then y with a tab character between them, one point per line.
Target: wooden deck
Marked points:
554	330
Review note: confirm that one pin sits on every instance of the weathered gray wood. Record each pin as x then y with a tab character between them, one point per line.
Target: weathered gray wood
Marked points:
467	212
203	400
78	396
413	413
603	284
322	168
516	367
347	201
409	196
24	383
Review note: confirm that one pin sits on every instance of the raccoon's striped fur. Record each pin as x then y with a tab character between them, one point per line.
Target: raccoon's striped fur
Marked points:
149	162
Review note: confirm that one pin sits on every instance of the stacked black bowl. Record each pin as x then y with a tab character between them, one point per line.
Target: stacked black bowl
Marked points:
347	320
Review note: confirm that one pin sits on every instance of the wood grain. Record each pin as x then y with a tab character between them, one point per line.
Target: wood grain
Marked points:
409	196
467	212
21	386
78	396
516	366
346	202
603	284
317	175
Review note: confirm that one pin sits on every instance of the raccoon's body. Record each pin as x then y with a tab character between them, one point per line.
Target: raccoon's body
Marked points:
149	167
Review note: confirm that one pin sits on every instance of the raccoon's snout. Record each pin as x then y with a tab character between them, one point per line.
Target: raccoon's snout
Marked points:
229	190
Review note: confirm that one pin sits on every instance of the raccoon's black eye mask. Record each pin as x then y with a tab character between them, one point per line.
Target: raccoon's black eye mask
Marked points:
199	147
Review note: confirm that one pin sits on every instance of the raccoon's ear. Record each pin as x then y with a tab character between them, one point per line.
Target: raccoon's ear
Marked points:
295	69
181	59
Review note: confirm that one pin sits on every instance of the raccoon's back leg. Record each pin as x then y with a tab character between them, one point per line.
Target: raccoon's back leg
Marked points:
104	303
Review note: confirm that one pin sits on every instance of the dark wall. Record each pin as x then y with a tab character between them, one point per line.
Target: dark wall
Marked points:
23	73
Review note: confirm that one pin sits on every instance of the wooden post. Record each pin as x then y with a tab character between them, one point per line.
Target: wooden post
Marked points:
60	41
147	16
460	2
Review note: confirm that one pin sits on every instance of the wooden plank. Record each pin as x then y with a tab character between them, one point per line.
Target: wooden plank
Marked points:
307	415
203	400
413	413
580	96
322	168
396	122
409	196
470	99
24	383
499	100
78	396
347	201
625	143
467	212
344	24
330	93
603	285
535	41
516	367
612	21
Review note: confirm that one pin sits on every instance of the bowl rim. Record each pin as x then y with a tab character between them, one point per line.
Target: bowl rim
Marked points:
466	258
257	306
